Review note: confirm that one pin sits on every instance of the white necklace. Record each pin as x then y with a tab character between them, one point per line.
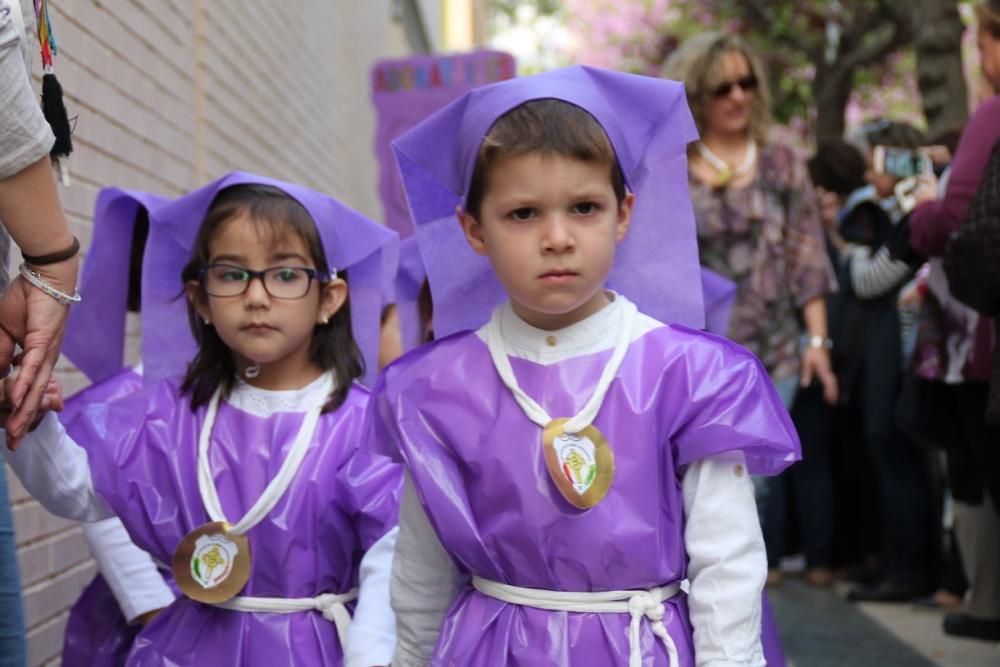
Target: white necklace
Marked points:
212	563
579	459
727	173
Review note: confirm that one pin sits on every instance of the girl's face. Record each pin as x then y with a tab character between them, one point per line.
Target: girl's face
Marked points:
261	329
731	93
549	225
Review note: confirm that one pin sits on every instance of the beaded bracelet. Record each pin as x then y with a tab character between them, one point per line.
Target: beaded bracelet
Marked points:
38	281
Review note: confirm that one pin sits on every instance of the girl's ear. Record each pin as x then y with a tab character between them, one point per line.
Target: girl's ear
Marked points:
332	298
473	231
624	216
196	297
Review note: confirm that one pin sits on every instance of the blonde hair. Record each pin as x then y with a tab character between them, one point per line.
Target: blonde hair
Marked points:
988	17
696	63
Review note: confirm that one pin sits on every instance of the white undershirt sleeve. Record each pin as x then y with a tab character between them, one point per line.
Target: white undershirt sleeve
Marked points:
727	564
371	638
425	583
55	471
129	571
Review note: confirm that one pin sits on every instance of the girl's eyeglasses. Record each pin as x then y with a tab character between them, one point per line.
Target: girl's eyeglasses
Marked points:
281	282
746	84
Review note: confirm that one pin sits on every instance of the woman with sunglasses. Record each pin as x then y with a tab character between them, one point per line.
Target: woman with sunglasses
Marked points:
759	225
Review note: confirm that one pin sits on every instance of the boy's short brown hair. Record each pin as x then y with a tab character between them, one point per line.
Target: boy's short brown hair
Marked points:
543	126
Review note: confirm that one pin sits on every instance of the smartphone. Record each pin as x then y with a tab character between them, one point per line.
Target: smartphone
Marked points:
901	162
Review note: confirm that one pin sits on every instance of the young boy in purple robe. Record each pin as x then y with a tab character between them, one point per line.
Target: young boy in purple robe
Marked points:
246	474
577	482
129	589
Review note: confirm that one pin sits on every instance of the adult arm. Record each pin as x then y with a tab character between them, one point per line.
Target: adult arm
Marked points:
809	274
932	222
876	274
31	212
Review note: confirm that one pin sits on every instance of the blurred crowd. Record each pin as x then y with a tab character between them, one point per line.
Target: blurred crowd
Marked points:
866	282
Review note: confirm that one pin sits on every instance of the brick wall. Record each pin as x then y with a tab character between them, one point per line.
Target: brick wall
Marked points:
168	95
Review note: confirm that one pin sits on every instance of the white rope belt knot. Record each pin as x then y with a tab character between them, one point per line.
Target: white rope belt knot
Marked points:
637	604
331	605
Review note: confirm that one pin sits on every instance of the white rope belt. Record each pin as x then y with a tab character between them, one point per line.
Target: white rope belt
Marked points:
637	604
331	605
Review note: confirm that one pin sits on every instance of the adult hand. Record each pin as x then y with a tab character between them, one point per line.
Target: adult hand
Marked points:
927	188
816	364
37	322
939	155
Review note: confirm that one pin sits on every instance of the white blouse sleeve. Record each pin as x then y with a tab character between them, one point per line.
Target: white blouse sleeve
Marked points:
425	583
129	571
372	634
727	564
55	471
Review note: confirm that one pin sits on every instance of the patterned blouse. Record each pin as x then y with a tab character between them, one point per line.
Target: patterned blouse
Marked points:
766	237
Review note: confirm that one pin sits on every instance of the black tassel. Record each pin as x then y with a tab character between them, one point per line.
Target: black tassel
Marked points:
55	112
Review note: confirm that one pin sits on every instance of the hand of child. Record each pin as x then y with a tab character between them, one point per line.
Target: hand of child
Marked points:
52	400
147	618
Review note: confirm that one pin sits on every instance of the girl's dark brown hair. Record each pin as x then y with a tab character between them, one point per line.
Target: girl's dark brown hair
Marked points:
333	345
546	126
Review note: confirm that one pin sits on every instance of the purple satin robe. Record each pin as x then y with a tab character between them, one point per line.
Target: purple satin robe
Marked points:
476	462
142	451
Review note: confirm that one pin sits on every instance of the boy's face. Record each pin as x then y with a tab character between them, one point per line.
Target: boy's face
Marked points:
549	224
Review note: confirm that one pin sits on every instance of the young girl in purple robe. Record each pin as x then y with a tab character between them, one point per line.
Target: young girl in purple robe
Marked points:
246	474
577	486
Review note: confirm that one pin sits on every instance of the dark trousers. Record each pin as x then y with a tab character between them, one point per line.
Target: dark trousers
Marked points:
810	483
907	506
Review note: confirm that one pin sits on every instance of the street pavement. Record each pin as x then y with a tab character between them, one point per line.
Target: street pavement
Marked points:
819	628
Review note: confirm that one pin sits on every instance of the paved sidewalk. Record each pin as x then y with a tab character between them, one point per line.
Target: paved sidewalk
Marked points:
821	629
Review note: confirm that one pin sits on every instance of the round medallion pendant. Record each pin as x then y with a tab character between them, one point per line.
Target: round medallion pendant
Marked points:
581	465
211	564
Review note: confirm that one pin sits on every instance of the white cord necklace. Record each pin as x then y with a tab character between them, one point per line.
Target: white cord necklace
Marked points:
579	459
212	562
727	173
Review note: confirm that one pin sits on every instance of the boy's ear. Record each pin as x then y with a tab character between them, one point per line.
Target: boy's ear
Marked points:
196	296
473	231
624	216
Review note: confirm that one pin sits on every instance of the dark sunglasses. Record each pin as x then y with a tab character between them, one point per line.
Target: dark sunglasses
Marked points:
746	84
